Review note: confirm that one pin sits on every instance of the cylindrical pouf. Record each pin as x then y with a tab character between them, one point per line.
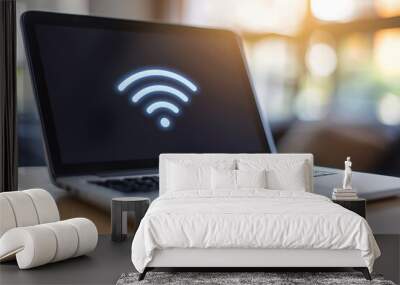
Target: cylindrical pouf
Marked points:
26	208
46	207
23	208
67	240
41	244
87	234
33	246
7	218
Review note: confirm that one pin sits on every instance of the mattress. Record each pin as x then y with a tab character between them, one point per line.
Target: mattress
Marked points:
250	219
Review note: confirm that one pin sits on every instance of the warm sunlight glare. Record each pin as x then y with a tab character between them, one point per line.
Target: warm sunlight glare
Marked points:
387	8
284	16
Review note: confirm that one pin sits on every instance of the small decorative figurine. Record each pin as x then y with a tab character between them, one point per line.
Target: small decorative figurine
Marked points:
346	192
347	174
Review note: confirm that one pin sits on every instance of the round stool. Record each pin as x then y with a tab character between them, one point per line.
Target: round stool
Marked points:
119	213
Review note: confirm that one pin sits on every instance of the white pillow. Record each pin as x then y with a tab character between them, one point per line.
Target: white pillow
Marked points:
183	178
281	174
193	175
223	179
251	178
237	179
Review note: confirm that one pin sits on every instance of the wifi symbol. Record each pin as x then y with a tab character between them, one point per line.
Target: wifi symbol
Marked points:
156	106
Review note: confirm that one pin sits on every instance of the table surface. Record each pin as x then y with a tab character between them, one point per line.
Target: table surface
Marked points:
102	266
382	215
110	259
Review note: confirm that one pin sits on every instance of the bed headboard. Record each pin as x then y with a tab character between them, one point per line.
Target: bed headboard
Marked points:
164	158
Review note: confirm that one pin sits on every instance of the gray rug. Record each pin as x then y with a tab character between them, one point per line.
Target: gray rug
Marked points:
228	278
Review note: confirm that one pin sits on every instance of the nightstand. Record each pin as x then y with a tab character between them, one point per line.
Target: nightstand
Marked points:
357	206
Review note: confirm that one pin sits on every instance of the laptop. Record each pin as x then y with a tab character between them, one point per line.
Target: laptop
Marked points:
113	94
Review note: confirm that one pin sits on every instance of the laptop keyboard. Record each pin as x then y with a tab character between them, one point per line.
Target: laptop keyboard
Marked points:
130	184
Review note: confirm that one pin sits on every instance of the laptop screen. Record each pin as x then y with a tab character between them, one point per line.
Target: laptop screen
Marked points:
115	94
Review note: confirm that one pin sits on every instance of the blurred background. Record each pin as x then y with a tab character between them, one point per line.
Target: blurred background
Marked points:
326	73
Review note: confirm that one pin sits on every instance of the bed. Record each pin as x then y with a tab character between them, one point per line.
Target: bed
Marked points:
279	224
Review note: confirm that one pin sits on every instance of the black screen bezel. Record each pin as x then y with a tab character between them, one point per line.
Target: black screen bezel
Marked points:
31	19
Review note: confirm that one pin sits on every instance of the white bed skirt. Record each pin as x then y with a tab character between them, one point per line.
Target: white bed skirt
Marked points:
192	257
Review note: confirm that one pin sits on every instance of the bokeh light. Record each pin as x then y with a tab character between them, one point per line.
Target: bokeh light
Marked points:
333	10
321	59
387	51
389	109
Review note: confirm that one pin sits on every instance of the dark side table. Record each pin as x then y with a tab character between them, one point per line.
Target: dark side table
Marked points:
357	206
120	207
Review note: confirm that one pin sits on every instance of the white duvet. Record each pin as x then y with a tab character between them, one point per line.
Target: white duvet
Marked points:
250	219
